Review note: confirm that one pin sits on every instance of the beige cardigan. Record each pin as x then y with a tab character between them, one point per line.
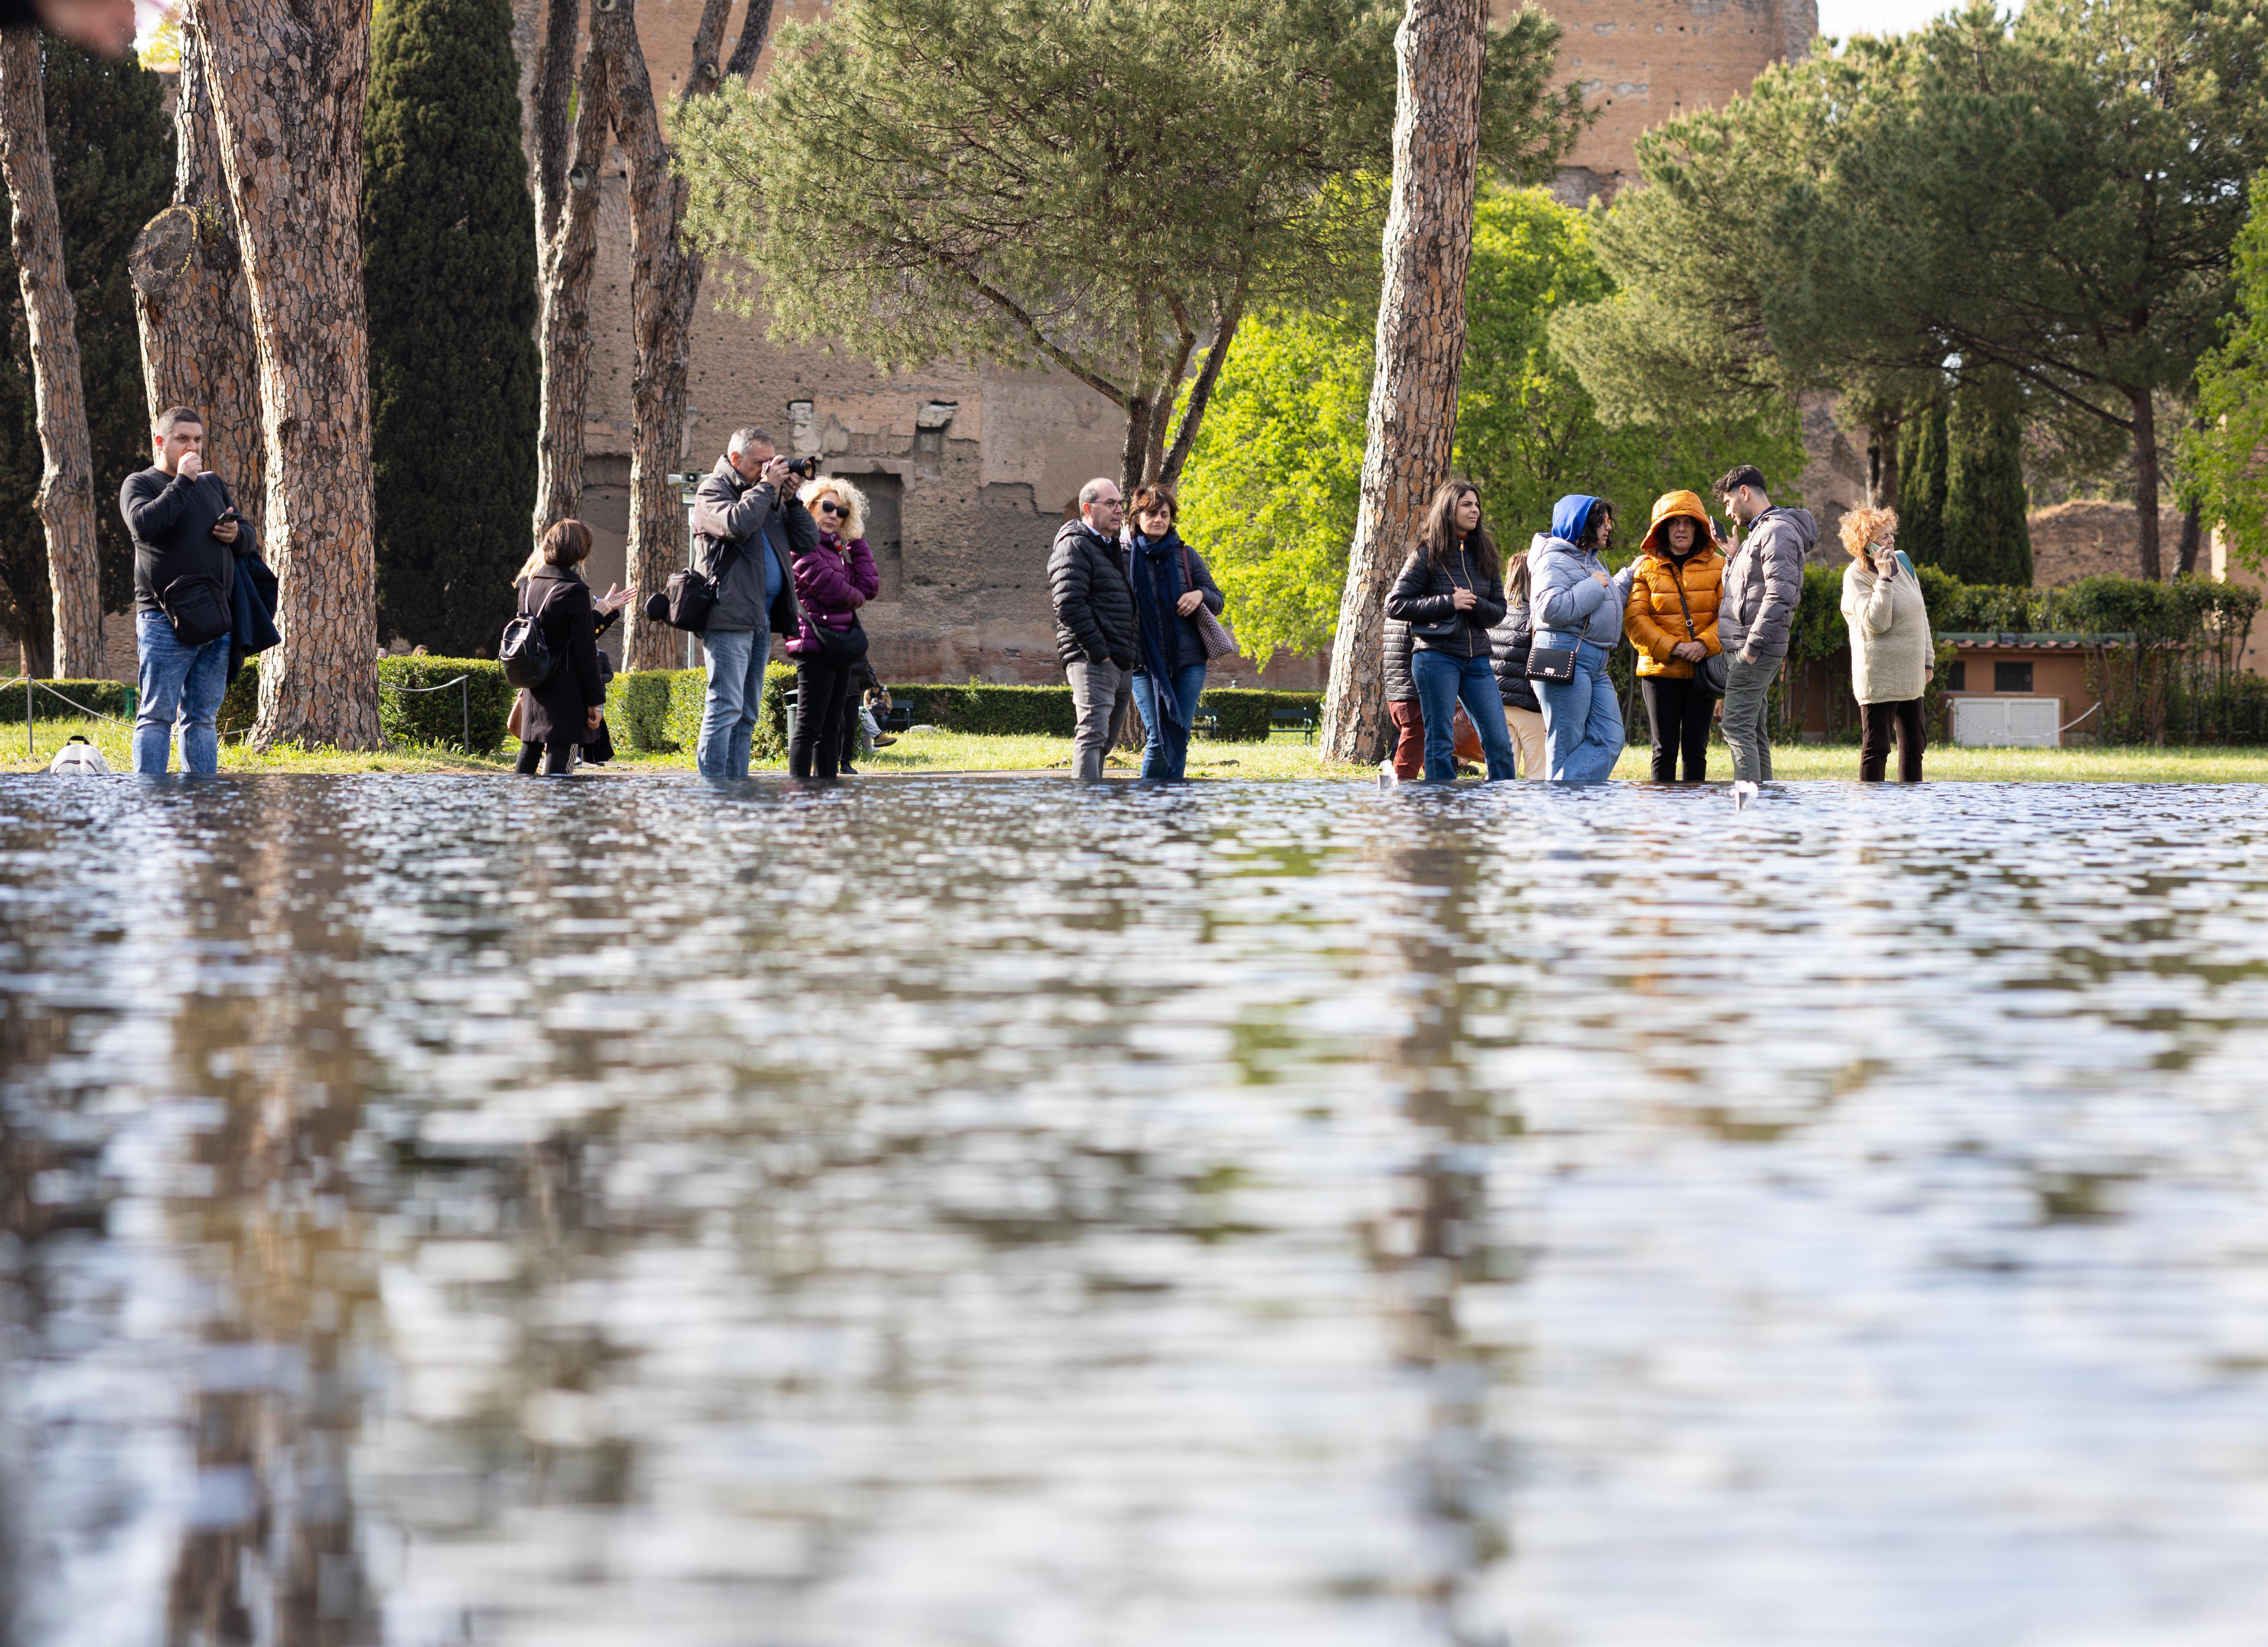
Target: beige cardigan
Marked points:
1891	649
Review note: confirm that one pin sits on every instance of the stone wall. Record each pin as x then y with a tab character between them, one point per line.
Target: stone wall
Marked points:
2088	539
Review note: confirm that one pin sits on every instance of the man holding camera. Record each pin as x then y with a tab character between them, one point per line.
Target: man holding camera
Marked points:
188	538
748	526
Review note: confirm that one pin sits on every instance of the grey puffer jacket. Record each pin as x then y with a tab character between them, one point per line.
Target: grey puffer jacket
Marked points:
1401	685
1094	602
1566	601
1763	584
729	509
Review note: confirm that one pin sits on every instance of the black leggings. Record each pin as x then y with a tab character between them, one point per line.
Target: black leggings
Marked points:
562	757
1679	712
822	697
1878	723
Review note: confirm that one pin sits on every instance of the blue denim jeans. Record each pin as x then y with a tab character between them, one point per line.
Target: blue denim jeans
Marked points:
177	682
1443	681
1167	754
735	660
1582	720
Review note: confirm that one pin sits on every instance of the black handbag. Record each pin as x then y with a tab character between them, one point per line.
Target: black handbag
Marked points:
1555	663
844	647
525	651
1708	673
194	606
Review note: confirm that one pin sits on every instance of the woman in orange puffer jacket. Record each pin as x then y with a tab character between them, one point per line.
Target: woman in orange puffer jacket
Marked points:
1679	552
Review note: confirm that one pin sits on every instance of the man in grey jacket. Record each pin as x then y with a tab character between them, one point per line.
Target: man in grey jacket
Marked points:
1755	615
748	522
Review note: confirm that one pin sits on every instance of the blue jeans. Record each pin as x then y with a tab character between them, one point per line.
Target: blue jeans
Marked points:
736	660
1166	755
177	682
1582	720
1443	681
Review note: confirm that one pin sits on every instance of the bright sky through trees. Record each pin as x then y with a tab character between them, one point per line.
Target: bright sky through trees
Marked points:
1843	18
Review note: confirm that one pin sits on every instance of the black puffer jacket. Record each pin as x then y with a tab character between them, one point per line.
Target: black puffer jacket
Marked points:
1424	597
1400	686
1508	646
1094	604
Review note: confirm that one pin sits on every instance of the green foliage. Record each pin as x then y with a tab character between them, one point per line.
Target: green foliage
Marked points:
1922	464
1088	185
1273	484
103	697
1248	715
111	145
1988	536
658	711
2228	451
449	238
412	711
1009	711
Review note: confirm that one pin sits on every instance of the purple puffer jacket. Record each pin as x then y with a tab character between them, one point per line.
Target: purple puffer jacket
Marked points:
832	582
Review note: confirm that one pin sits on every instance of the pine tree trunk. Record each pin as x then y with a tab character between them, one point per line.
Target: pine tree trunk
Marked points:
567	229
66	495
2146	486
190	304
1421	345
665	282
288	78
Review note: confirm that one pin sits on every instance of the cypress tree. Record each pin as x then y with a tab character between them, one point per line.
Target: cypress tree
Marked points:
1921	485
112	147
449	244
1988	538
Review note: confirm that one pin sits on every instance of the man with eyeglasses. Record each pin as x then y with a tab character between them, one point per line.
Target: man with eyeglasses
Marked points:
748	526
1094	622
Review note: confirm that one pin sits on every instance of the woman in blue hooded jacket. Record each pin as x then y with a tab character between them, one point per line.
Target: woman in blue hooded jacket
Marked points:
1578	606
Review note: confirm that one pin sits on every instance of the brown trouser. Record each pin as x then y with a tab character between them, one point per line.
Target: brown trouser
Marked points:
1409	739
1876	723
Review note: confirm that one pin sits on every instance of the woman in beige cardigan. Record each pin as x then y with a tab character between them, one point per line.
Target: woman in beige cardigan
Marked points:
1892	652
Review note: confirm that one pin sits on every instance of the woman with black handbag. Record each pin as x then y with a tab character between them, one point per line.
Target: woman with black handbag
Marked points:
1451	594
832	582
562	713
1672	622
1578	622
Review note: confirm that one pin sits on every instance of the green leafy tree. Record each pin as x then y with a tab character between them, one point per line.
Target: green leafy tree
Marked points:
112	147
1987	537
2228	451
1921	484
449	236
1271	491
1103	186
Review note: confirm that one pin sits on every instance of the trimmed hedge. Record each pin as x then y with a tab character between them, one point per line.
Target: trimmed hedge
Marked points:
658	711
411	717
1247	716
104	697
991	711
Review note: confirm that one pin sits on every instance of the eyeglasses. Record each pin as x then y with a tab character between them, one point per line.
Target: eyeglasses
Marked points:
831	508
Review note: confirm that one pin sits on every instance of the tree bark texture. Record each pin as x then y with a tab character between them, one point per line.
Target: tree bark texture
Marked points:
190	304
66	495
1421	345
2146	486
567	231
288	78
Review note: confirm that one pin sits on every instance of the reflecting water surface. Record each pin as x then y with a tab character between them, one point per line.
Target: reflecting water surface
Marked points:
950	1211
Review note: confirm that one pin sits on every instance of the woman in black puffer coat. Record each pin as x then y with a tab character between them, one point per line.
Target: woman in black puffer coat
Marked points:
563	715
1509	643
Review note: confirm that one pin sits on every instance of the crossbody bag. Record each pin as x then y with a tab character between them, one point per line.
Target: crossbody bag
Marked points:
1708	673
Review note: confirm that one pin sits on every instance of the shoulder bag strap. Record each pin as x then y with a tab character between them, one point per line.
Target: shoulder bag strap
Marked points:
1677	576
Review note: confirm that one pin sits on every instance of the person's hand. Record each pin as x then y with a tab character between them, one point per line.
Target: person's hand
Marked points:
225	530
774	473
1463	599
1690	651
615	598
1190	602
592	715
100	26
192	465
1603	580
1748	659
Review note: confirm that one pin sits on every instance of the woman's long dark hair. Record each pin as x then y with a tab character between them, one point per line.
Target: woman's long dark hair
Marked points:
1440	532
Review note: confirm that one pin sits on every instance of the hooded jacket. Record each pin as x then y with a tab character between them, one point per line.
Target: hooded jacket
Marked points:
1763	584
1655	616
1567	603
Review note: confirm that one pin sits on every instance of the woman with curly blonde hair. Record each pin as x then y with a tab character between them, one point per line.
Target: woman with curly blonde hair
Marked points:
832	582
1892	652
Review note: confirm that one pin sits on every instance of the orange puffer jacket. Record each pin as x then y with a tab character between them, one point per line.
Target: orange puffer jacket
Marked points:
1654	620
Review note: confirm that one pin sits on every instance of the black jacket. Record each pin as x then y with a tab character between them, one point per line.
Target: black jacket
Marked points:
1094	604
1423	595
556	711
1509	643
1401	685
170	518
730	509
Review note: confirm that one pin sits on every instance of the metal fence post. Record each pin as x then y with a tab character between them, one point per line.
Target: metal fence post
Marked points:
465	700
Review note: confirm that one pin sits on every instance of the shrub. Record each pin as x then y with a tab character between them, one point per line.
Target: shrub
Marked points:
412	711
658	711
104	697
991	711
1248	715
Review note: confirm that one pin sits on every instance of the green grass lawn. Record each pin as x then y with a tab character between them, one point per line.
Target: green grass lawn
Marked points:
1280	758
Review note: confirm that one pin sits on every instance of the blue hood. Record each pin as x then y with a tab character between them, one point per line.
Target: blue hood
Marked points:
1572	515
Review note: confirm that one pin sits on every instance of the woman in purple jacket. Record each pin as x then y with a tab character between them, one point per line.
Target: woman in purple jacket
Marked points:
832	582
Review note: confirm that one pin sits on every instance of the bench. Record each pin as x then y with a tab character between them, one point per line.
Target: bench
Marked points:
1302	721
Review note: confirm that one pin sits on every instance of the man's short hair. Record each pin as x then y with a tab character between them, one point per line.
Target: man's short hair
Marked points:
1738	475
173	416
750	436
1092	492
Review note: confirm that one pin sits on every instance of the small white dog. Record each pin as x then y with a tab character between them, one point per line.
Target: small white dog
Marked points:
80	757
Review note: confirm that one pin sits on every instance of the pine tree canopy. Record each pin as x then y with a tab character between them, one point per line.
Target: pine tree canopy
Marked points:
112	150
449	236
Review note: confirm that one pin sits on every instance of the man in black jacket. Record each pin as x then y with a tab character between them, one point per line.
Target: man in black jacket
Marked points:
1094	622
748	527
188	538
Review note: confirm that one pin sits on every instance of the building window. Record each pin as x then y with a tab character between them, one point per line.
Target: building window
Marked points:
2012	677
1956	678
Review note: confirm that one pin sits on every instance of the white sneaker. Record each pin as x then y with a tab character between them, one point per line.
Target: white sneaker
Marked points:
1386	778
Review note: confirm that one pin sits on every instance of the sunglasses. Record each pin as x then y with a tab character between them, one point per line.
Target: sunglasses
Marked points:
832	509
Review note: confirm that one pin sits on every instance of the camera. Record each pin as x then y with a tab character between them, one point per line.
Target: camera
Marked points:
802	469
